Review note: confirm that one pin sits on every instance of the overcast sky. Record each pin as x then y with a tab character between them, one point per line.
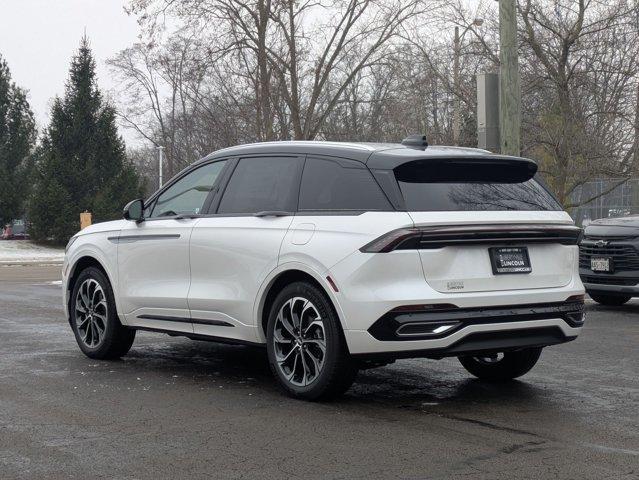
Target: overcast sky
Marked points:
39	37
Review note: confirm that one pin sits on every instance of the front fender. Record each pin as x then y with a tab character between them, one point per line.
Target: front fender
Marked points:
97	247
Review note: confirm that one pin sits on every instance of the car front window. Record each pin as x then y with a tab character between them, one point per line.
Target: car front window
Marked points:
188	194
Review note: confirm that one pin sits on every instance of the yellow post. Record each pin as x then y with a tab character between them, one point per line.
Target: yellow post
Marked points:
85	220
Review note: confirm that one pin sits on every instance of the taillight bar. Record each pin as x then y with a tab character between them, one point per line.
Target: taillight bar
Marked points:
391	240
450	235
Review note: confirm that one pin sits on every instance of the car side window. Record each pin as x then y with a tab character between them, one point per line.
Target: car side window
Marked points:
262	184
328	185
188	194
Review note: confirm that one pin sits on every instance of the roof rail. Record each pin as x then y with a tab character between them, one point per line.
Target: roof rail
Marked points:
416	141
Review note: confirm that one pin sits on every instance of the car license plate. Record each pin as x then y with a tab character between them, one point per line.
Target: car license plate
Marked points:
601	264
510	260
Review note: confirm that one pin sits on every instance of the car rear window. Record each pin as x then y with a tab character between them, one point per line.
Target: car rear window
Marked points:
459	186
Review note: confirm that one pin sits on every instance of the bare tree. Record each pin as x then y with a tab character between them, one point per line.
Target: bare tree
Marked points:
211	73
582	62
153	92
289	53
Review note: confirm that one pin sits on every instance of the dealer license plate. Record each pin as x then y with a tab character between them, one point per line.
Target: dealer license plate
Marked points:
510	260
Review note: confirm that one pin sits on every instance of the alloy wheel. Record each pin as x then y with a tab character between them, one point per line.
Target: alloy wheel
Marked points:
91	313
299	341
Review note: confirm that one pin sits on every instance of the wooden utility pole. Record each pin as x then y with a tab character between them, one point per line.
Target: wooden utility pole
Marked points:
509	89
456	102
636	153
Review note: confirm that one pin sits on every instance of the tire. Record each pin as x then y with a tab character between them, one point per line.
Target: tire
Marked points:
92	293
511	365
295	354
610	300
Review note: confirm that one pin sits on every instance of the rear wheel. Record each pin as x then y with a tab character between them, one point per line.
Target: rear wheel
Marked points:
610	300
306	348
94	320
501	366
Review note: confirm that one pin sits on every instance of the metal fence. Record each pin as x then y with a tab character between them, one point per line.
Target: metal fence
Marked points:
622	200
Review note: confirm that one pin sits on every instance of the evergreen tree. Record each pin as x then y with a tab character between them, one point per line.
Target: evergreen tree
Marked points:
17	138
81	165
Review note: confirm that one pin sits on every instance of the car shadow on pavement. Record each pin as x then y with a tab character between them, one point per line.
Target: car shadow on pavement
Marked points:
425	384
410	384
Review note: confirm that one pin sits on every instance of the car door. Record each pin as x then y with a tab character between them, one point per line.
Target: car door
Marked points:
153	255
340	207
237	246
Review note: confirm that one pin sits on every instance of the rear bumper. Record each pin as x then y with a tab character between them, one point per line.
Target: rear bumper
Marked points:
612	289
473	338
451	331
406	325
622	283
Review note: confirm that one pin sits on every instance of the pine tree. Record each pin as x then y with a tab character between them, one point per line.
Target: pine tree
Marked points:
17	138
82	163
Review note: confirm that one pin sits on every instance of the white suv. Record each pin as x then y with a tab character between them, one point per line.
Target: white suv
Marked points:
337	257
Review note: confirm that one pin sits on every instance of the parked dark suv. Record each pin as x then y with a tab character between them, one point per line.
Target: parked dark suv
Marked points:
609	260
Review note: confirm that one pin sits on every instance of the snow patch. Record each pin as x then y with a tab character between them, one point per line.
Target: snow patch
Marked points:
24	251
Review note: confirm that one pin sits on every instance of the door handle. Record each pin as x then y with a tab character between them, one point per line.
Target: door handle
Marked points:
272	213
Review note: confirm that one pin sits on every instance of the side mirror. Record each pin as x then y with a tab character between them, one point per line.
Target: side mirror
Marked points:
134	210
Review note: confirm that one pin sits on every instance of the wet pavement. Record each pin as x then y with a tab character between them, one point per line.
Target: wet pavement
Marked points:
176	408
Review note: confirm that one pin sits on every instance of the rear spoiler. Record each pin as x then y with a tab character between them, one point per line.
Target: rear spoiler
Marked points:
409	157
477	169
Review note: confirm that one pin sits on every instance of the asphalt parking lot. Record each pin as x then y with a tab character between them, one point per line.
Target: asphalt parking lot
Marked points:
176	408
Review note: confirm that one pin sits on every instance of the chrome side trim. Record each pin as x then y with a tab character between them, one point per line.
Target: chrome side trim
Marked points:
139	238
199	321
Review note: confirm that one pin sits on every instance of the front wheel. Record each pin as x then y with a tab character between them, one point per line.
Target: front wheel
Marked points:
501	366
306	348
94	320
610	300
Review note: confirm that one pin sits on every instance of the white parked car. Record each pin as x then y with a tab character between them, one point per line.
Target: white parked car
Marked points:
337	257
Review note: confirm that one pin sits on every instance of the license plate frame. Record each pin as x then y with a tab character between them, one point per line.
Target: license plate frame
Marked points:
606	263
510	260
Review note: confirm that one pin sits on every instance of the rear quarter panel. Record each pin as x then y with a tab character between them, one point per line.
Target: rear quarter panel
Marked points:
317	242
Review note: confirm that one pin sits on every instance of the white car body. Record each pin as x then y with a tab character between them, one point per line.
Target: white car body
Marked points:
208	276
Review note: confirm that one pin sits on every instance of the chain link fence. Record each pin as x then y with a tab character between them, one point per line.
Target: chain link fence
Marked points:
620	201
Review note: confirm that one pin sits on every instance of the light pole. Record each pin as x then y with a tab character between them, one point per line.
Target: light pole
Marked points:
478	22
160	161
